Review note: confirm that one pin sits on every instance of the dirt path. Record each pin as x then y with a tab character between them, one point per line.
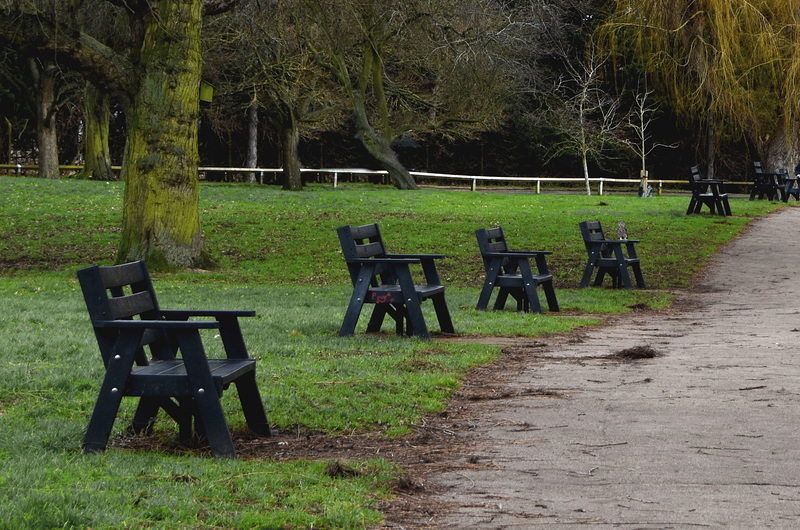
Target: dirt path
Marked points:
706	434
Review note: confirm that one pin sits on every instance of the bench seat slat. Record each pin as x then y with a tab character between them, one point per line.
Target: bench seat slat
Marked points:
168	378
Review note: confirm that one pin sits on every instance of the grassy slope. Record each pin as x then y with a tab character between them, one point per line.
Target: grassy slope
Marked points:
278	254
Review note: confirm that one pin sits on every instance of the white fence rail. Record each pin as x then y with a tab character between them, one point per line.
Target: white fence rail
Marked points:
474	180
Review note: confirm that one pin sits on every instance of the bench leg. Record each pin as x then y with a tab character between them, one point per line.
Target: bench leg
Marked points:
357	300
637	273
622	267
550	294
416	321
502	298
145	416
488	287
209	408
443	314
111	391
252	406
587	272
529	286
378	315
601	274
102	421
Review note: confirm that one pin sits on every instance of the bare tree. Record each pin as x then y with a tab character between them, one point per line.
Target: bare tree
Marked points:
585	116
263	70
411	66
639	120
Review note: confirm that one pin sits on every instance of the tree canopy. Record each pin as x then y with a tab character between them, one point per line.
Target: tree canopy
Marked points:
733	66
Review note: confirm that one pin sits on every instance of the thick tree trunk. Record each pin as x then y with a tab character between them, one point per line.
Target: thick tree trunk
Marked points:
45	82
96	154
290	142
161	205
778	153
378	146
252	139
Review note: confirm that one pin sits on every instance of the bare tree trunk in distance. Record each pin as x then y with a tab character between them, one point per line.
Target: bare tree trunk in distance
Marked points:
290	142
711	149
252	139
96	153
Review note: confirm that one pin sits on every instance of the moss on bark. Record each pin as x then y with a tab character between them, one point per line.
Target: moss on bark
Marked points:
161	221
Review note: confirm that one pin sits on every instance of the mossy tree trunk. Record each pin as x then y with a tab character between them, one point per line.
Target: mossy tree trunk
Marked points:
44	80
161	221
96	154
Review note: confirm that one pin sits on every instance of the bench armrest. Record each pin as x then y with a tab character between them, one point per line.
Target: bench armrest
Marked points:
386	260
416	256
615	241
157	324
183	314
518	254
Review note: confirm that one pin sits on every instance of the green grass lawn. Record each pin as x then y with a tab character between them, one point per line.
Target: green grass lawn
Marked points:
277	253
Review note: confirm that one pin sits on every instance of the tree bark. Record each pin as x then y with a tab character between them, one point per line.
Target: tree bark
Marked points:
252	139
44	79
96	153
161	220
779	153
377	146
710	145
290	142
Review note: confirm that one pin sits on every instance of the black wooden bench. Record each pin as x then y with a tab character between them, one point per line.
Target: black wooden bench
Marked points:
385	280
765	184
790	185
126	318
608	257
709	192
511	272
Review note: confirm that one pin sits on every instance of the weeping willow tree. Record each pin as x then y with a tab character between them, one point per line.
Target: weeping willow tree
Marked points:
723	63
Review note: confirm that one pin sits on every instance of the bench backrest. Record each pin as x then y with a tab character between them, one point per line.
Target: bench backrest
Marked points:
757	168
491	240
359	242
694	175
592	232
122	292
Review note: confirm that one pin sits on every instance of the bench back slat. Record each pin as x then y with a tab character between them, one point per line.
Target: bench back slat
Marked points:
123	292
592	231
128	306
359	242
491	240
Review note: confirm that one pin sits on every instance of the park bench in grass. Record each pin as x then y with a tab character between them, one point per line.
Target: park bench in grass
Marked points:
765	184
608	256
127	319
710	192
510	271
790	185
385	280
